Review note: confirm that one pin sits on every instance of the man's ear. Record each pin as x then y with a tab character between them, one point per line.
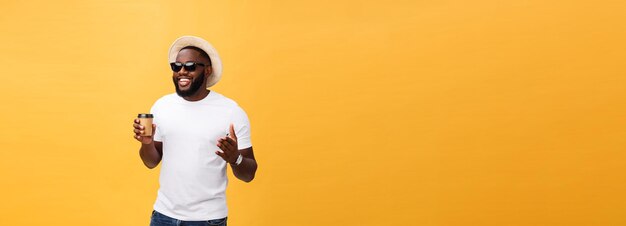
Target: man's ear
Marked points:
208	71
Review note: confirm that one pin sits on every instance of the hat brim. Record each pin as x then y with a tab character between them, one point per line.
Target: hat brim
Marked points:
216	62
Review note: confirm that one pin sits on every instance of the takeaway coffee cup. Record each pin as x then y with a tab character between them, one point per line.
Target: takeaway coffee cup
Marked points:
146	121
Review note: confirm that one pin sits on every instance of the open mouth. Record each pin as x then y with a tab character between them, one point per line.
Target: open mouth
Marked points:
184	82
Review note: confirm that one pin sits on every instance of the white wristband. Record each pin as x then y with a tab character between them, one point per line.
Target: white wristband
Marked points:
239	160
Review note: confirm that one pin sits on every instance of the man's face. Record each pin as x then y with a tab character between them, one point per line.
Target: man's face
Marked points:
187	82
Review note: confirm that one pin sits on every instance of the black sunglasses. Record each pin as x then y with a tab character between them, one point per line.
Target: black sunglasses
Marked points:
189	66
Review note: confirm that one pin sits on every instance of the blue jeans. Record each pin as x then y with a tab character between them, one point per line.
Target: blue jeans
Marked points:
159	219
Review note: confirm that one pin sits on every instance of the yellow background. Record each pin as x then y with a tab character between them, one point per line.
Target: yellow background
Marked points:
363	112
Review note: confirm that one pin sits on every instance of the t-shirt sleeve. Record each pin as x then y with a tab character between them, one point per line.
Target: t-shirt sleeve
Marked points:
242	128
157	133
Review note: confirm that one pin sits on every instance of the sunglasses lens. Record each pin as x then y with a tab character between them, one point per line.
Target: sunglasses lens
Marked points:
190	66
176	66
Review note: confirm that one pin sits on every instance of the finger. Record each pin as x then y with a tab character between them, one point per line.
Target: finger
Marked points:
137	124
221	154
228	146
136	121
222	139
231	141
232	132
138	131
223	148
137	137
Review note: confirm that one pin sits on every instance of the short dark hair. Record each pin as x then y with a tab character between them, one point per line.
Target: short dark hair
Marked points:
202	53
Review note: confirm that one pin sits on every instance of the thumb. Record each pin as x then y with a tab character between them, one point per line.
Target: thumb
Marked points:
232	132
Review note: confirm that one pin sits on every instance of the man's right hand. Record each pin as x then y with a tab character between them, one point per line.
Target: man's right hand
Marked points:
139	129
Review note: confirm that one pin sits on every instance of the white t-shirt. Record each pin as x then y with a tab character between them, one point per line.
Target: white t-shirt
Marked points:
193	178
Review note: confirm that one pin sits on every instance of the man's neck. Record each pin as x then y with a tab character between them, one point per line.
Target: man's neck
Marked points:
201	94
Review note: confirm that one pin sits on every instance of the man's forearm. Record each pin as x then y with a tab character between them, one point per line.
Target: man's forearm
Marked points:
246	170
149	155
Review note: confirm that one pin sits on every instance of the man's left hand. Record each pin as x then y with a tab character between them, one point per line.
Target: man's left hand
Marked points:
228	147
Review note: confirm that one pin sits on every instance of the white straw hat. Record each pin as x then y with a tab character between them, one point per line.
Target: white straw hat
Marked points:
216	62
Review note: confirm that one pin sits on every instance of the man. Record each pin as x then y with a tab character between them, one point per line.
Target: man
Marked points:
198	132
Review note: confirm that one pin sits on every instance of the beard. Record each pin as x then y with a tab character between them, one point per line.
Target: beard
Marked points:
195	85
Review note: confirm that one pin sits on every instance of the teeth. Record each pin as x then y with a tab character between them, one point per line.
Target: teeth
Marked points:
184	82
